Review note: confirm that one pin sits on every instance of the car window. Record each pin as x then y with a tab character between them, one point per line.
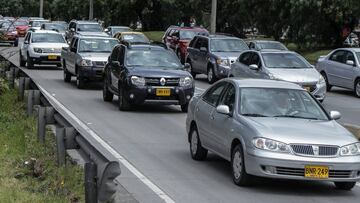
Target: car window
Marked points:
170	32
252	45
349	56
47	38
152	59
229	97
89	28
213	95
338	56
97	45
192	42
285	60
205	43
198	43
245	58
135	38
189	34
228	45
121	55
115	54
271	45
255	59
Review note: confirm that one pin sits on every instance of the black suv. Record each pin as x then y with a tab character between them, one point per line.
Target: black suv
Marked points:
146	74
213	55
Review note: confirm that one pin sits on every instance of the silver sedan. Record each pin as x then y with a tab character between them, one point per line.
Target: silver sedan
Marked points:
341	68
272	129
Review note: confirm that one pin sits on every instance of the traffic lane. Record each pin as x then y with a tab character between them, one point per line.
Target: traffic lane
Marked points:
338	99
154	140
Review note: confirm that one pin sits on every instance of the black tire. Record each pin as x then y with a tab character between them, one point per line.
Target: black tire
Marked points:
211	78
240	178
80	83
29	63
328	86
16	43
357	88
197	151
345	185
107	95
67	75
184	107
21	60
124	105
191	70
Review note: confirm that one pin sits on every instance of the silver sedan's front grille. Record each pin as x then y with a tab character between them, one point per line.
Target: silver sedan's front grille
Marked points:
315	150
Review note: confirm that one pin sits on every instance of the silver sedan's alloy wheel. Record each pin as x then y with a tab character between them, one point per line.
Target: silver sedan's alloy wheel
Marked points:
194	142
357	88
210	74
237	165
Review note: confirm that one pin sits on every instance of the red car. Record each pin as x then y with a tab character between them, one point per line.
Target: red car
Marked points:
8	34
21	27
178	38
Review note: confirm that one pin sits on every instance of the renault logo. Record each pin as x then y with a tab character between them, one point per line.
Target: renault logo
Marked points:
162	81
315	150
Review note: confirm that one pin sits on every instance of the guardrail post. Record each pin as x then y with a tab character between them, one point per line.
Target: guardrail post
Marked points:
41	124
10	76
90	182
33	99
21	89
60	137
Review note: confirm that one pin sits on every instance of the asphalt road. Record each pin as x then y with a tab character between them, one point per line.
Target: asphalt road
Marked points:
153	139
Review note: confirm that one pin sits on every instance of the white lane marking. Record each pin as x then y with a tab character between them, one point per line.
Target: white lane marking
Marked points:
121	159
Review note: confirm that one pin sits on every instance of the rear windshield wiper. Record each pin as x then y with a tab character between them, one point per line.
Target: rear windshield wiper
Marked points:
253	115
290	116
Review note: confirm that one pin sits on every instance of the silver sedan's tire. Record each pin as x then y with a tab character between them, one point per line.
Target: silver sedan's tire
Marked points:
357	88
240	177
196	150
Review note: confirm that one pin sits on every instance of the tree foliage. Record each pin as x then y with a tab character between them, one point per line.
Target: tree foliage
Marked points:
309	22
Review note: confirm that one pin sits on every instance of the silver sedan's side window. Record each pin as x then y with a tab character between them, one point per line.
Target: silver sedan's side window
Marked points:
229	97
213	95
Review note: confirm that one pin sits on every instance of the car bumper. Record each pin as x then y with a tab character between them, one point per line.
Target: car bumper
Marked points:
93	73
320	92
46	58
147	95
266	164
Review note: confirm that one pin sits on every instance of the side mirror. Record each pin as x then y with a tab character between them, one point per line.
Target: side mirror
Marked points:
350	62
223	109
187	66
115	64
72	29
106	30
26	42
203	49
254	67
335	115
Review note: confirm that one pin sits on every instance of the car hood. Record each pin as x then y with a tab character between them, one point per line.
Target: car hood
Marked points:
49	45
96	34
291	130
303	75
24	27
95	56
227	54
158	72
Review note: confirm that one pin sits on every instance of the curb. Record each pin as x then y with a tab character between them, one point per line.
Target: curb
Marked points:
354	129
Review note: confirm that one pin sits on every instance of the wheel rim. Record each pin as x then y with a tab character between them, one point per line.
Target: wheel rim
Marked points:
210	74
237	165
194	142
357	88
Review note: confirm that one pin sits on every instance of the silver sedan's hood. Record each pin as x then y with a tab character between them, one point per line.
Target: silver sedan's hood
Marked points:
290	130
303	75
95	56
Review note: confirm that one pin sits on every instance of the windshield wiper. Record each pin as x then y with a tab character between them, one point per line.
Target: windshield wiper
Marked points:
253	115
291	116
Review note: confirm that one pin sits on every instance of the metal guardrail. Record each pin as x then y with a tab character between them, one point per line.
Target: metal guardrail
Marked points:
101	167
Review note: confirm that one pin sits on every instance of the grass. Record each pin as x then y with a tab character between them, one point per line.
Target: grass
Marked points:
28	170
155	36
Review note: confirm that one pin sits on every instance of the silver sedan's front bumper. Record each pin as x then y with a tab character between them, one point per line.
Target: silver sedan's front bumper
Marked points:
320	91
287	166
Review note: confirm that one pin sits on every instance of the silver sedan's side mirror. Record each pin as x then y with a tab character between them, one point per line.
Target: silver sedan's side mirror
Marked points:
223	109
254	67
335	115
350	62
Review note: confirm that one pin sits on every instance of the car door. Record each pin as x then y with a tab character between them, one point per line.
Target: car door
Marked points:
345	72
241	68
203	112
196	54
221	124
333	65
117	55
25	45
203	55
256	73
71	59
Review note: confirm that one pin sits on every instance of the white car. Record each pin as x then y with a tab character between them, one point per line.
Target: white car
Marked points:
42	47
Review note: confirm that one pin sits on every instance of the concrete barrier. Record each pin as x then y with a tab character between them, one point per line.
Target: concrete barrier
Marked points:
354	129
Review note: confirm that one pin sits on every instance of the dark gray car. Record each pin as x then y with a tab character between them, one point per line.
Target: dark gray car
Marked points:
213	55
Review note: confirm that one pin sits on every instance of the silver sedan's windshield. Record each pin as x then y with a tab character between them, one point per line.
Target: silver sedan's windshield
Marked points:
284	60
97	45
268	102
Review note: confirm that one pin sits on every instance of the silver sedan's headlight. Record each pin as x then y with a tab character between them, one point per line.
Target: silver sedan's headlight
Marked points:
185	82
271	145
223	62
350	150
321	80
137	81
86	62
38	50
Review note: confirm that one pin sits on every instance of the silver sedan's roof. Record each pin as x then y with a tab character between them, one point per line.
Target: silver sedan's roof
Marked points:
351	49
46	31
263	83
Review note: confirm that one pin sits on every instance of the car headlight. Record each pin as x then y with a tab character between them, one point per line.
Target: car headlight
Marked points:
223	62
137	81
184	82
350	150
38	50
321	80
85	62
271	145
